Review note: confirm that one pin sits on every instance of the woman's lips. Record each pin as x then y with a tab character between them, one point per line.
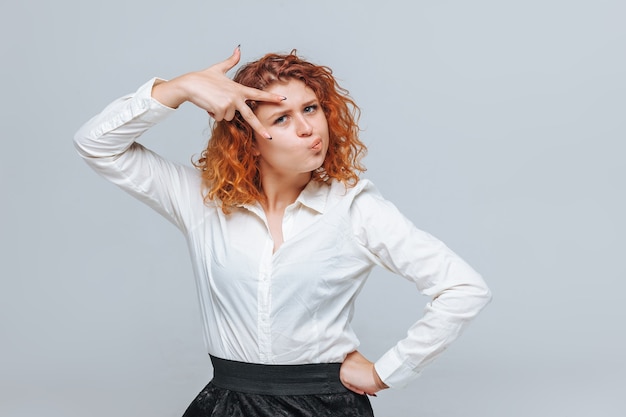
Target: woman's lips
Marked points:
317	145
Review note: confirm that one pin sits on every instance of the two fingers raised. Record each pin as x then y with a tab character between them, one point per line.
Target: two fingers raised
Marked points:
242	94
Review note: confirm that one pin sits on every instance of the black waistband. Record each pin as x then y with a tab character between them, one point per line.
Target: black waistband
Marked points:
253	378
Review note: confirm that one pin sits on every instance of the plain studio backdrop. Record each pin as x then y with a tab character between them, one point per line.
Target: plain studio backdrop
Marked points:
496	126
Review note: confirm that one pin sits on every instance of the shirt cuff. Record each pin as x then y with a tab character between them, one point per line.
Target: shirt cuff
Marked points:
393	371
156	111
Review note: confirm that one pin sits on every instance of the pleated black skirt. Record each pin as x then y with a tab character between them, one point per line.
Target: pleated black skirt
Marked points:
241	389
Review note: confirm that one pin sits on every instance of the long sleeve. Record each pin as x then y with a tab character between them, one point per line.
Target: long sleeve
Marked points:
457	292
341	235
107	143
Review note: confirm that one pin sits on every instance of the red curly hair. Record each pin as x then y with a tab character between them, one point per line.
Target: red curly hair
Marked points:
229	168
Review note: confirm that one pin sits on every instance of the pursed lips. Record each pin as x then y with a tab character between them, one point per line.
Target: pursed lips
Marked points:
317	144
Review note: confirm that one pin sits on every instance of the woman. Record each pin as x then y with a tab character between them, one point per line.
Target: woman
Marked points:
282	235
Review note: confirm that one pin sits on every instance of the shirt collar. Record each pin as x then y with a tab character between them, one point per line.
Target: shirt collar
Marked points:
313	196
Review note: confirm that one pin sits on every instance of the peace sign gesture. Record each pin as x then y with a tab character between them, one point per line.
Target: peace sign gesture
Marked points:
213	91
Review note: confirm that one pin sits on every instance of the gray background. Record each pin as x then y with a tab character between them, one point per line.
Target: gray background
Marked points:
496	126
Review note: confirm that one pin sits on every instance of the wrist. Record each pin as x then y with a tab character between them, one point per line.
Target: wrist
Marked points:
379	382
170	93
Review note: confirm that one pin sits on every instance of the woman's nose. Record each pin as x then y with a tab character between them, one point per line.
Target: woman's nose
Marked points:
303	127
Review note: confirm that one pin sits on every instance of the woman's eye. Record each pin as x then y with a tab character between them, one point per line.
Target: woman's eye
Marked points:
310	109
280	120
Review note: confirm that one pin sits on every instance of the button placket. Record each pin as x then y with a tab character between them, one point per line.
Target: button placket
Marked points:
264	304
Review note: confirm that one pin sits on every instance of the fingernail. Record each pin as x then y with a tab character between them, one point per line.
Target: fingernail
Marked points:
267	136
284	98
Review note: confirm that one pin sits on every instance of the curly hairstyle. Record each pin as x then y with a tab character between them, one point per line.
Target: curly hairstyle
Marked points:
230	171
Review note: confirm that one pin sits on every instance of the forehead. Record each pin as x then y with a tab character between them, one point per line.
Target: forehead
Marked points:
293	89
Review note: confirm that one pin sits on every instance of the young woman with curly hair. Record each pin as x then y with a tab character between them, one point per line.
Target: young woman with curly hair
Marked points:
283	234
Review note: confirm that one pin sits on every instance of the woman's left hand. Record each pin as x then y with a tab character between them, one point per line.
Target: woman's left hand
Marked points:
359	375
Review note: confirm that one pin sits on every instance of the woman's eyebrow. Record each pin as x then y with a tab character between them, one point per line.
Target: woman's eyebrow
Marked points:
277	113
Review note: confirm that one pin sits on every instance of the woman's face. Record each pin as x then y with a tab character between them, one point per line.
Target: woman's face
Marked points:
298	128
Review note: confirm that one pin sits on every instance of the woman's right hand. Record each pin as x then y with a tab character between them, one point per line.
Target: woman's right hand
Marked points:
213	91
359	375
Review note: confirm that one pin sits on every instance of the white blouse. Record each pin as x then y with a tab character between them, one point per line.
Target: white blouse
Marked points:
293	306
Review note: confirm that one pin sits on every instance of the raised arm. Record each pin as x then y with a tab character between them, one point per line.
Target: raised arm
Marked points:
108	144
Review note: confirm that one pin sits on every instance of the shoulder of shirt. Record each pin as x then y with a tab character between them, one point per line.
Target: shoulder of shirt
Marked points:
341	190
363	192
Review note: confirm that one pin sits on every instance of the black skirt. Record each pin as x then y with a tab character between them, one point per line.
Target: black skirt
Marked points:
241	389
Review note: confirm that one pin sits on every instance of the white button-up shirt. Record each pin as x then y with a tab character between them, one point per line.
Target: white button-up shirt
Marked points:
293	306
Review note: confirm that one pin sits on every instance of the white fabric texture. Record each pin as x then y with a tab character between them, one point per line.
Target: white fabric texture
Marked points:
293	306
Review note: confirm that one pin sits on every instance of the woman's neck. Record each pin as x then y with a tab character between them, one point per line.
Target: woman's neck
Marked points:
282	191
